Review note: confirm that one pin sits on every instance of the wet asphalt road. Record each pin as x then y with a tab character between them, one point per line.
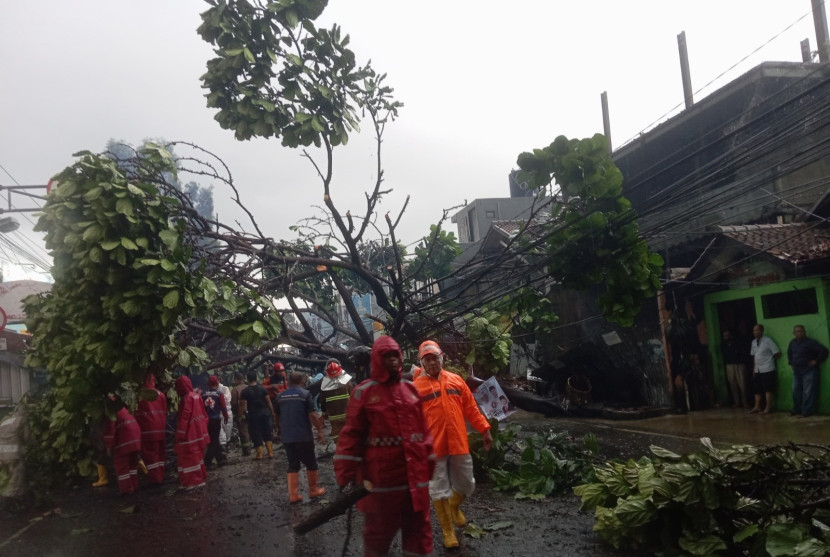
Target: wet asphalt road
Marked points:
244	509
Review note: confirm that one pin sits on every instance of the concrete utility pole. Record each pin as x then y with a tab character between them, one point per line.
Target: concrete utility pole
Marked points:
806	55
820	22
606	119
684	69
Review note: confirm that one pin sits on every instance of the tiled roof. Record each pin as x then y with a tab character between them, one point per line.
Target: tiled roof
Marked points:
795	242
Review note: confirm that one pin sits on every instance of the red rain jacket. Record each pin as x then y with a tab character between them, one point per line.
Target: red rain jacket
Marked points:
385	439
122	435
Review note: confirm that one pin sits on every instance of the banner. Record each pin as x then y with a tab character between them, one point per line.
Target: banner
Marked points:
492	400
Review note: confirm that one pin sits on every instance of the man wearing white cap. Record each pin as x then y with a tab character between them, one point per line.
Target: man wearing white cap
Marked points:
447	403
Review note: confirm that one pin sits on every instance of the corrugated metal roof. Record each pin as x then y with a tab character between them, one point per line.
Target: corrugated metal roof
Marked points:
794	242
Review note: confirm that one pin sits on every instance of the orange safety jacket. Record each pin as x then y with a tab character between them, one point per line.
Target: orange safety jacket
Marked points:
447	402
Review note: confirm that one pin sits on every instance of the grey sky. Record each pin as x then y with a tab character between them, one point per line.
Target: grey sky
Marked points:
481	82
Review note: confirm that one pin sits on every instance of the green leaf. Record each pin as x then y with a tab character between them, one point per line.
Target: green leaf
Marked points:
128	244
110	245
474	531
124	206
170	238
782	539
704	546
171	299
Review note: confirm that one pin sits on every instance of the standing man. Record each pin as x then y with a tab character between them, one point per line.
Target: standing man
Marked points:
216	412
335	389
151	416
385	445
734	357
765	352
804	355
241	422
227	427
448	402
295	410
255	405
191	436
122	438
361	357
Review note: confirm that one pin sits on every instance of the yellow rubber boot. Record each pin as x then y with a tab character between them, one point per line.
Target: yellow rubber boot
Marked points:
102	476
313	489
258	455
294	488
442	509
458	517
270	446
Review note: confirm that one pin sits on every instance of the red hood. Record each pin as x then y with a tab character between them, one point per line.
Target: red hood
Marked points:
150	382
183	385
381	346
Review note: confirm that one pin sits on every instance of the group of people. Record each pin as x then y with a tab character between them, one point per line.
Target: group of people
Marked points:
135	442
405	442
804	356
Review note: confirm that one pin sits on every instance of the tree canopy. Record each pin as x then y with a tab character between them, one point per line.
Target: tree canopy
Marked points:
145	281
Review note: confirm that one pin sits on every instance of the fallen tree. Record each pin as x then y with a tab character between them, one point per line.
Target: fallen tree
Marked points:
744	500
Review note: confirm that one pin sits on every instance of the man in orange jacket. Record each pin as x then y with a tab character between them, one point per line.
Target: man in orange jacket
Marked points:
447	403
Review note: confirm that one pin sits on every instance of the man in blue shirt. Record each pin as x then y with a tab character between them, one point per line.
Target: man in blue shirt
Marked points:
804	355
296	410
765	352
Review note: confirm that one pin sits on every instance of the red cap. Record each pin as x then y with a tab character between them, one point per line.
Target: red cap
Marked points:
213	381
279	367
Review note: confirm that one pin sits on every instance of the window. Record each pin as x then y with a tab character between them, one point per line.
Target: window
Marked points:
786	304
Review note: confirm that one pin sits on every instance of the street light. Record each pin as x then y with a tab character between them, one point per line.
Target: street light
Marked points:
8	224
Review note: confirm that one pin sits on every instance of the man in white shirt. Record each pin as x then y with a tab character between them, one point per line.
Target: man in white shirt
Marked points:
765	352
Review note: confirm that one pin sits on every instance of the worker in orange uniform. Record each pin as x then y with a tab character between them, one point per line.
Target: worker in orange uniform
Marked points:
448	402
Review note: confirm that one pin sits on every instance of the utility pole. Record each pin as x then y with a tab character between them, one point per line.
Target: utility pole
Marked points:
606	119
684	69
820	22
806	55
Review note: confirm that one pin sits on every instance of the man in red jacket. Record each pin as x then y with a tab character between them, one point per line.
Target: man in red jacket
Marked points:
122	438
448	403
151	416
191	436
386	447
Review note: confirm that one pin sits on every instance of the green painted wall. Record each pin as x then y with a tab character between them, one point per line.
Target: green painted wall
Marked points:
778	329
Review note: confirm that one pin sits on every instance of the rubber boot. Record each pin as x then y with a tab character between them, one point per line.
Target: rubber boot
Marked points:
258	455
313	489
442	509
270	446
294	488
102	476
458	517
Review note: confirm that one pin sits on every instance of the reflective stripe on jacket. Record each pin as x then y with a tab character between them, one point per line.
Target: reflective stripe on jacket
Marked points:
385	440
447	403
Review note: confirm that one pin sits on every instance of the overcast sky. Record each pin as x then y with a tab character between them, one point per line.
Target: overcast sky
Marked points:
481	82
